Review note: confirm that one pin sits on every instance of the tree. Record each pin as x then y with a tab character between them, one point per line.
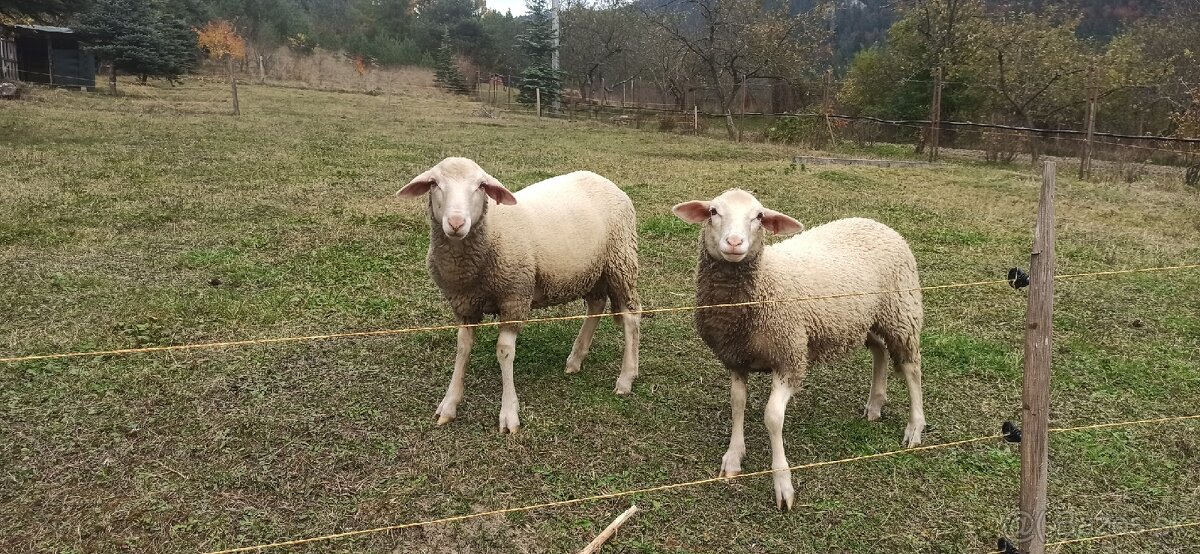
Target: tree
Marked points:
538	44
222	42
137	37
446	73
20	9
598	42
735	40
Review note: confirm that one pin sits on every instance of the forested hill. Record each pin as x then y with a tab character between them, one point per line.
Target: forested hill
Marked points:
861	23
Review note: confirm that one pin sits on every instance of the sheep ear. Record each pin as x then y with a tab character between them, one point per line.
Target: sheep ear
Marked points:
497	192
418	186
780	224
695	211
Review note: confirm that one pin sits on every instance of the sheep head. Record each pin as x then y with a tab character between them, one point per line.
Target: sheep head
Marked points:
735	223
458	192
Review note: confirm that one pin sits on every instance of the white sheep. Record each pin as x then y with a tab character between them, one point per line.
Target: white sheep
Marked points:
566	238
846	256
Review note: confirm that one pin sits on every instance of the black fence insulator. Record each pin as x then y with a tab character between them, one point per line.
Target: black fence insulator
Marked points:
1017	278
1012	433
1005	547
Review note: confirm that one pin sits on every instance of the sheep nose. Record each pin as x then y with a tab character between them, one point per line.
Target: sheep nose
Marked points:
456	222
734	241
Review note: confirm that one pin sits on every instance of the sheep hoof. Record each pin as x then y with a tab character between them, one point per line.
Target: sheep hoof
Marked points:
912	434
509	422
572	368
785	496
624	386
731	464
873	414
442	420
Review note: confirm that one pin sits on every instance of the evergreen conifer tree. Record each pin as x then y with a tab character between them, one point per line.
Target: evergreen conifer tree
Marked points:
134	36
446	73
538	44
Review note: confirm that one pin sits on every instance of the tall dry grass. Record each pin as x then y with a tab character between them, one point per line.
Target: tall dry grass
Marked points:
327	70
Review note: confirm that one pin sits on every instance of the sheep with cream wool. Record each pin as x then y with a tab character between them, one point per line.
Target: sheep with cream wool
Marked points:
566	238
854	257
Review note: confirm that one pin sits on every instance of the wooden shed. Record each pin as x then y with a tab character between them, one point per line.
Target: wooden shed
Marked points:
47	55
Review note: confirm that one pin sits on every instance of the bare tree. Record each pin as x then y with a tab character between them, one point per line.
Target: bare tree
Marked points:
598	41
735	40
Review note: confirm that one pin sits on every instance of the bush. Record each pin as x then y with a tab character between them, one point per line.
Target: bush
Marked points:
667	123
797	130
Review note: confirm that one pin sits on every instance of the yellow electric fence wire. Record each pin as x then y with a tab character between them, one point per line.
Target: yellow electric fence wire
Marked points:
594	498
408	330
704	482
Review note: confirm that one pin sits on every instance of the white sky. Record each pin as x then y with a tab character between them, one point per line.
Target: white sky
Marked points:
517	6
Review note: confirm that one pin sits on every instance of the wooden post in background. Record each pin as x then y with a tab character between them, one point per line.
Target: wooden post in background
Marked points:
1035	397
695	119
1085	159
538	99
262	74
935	115
637	106
827	103
232	84
743	118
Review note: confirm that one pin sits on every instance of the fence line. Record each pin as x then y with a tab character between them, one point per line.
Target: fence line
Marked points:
672	486
445	327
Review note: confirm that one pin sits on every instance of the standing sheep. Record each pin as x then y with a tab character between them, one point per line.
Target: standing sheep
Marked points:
846	256
566	238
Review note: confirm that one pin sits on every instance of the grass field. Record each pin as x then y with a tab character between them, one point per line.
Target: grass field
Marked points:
155	219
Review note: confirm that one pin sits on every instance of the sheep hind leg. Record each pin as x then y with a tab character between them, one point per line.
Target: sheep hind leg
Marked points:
583	343
633	334
879	378
773	417
731	462
906	355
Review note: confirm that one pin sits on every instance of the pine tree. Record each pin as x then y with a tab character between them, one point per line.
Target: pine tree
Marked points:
134	36
538	44
446	73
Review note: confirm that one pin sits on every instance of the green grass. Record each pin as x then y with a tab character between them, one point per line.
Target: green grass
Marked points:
155	219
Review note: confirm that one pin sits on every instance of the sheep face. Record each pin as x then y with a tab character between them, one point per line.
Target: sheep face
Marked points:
734	224
458	194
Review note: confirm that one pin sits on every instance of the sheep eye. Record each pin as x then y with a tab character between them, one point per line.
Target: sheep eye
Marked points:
712	211
759	216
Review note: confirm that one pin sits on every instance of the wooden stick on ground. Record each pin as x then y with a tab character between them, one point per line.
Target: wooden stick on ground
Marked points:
608	532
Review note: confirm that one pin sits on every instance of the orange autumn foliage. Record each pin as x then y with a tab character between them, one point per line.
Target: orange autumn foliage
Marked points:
219	39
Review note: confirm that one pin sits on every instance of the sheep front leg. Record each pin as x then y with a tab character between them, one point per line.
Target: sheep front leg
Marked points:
506	351
773	416
731	462
448	409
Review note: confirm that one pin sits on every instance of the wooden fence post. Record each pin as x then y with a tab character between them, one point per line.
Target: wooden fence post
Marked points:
1035	397
743	118
695	119
262	74
935	115
232	84
1085	159
538	98
827	103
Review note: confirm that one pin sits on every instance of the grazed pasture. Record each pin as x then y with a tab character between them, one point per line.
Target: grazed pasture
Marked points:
155	219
